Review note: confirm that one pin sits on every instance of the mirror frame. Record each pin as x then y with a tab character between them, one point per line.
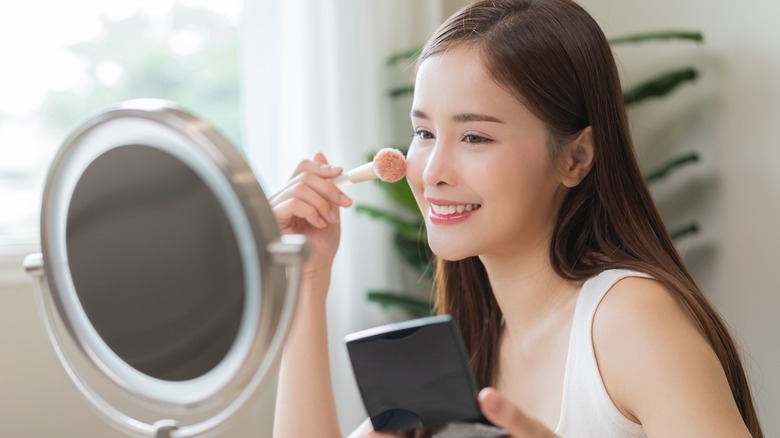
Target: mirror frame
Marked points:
271	265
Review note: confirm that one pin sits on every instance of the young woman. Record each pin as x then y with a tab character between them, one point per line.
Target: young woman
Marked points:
579	316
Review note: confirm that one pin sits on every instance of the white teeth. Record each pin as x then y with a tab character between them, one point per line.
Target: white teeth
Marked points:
453	209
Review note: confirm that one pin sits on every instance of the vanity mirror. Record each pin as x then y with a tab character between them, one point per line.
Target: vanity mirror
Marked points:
163	282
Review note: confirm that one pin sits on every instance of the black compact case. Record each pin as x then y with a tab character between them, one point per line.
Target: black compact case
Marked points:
414	374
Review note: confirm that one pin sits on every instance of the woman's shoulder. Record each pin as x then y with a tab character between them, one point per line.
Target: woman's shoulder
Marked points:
653	359
639	301
643	308
640	323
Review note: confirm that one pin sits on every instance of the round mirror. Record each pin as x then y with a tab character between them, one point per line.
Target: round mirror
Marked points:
163	282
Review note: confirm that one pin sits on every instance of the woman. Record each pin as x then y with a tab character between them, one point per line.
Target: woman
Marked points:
579	315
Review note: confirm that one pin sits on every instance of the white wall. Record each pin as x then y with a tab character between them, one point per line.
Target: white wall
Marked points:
731	116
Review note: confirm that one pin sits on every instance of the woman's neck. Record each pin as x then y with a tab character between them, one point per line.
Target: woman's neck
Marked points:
527	288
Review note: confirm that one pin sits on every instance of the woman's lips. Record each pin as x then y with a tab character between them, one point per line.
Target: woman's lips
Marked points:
445	212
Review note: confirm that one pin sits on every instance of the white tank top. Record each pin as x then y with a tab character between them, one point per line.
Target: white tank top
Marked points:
586	409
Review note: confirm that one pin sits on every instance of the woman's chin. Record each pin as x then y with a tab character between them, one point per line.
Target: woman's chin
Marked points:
449	252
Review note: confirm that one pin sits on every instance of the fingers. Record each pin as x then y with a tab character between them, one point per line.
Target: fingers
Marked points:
503	413
310	196
320	158
318	166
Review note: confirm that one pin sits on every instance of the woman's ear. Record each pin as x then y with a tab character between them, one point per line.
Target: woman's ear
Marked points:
577	158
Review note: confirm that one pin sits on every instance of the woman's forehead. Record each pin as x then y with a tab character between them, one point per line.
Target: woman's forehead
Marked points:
454	72
457	81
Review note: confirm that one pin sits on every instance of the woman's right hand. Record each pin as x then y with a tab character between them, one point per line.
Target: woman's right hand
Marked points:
309	205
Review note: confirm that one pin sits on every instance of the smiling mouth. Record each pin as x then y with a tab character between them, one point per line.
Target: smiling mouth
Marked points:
446	210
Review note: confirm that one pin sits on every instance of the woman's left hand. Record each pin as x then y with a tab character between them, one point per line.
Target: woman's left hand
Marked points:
496	408
504	414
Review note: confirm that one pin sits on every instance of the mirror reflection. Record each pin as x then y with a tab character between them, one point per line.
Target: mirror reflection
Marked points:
155	262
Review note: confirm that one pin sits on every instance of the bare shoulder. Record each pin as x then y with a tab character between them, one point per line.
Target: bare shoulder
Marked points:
643	307
658	367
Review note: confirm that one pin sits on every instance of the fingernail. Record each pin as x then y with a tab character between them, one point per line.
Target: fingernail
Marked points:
344	199
330	168
492	400
332	216
321	222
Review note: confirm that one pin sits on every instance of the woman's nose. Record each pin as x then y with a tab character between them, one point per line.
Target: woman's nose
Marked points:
440	165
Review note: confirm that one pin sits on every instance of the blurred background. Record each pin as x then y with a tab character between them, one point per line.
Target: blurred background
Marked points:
284	79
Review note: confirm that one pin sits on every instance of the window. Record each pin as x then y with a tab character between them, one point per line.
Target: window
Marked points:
63	61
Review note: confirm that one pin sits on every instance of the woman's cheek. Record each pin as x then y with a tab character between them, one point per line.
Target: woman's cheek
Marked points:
415	165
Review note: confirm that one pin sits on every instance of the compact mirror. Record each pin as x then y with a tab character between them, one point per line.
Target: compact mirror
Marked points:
164	284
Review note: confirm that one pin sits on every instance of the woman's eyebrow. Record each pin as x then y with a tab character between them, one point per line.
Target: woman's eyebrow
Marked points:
460	118
417	114
471	117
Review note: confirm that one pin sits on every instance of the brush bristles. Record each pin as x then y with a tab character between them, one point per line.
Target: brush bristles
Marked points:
389	165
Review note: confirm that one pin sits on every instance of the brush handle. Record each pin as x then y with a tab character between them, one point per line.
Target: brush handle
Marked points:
361	173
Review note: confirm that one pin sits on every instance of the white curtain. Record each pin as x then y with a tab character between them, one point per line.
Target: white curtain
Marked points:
314	79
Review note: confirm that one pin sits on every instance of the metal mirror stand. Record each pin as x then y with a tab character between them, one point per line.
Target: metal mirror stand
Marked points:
163	283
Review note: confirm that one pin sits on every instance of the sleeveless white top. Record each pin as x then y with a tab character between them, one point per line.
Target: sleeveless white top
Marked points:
586	409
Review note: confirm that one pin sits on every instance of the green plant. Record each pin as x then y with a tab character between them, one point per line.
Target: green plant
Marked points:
409	232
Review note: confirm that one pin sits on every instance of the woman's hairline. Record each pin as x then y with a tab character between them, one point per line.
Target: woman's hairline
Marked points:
554	139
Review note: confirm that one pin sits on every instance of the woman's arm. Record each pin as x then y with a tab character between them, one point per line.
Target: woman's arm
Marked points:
309	205
304	405
658	368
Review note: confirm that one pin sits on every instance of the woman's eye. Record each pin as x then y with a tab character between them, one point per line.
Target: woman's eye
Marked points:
423	134
473	138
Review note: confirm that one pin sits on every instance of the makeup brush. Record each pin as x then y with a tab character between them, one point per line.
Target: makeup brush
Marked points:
389	165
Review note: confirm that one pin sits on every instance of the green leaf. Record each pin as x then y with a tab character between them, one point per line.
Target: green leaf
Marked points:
415	307
404	227
401	195
670	165
687	230
661	35
415	252
408	55
659	86
400	91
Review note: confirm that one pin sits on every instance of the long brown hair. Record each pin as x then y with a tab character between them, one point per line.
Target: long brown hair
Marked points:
555	59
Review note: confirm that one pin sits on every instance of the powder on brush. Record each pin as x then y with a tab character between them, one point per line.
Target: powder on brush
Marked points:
389	165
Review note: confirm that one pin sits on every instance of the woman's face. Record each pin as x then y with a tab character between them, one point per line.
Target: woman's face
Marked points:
478	165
